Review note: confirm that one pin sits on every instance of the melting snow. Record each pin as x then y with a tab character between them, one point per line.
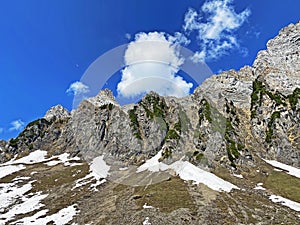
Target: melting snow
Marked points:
7	170
13	198
21	178
64	159
34	157
98	171
37	156
284	201
238	175
259	187
99	167
146	221
9	192
145	206
123	168
153	164
291	170
187	171
64	216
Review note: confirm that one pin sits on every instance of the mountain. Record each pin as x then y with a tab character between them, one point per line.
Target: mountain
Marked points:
227	154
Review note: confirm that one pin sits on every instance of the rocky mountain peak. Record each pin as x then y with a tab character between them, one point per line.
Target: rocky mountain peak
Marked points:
282	53
58	112
279	65
104	97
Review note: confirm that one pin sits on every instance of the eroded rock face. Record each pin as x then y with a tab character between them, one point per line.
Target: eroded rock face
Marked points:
282	53
275	98
230	117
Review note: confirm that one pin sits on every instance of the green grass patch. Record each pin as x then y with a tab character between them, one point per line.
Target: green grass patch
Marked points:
259	90
167	195
284	185
172	134
293	98
134	122
58	176
269	131
13	142
205	112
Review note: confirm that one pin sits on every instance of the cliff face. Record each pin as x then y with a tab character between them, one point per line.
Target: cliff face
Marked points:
259	104
232	121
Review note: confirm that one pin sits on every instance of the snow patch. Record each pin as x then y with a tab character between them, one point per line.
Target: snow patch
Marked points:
62	217
187	171
64	159
21	178
13	200
123	168
146	206
34	157
99	167
238	175
10	169
286	202
259	187
98	171
146	221
291	170
153	164
83	181
9	192
39	156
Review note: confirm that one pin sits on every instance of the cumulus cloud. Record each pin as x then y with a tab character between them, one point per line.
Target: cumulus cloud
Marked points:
152	61
215	25
16	125
78	88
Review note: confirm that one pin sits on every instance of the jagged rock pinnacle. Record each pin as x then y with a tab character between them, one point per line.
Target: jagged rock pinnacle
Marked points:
104	97
58	111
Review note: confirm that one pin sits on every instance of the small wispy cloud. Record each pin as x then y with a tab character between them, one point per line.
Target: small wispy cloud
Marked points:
179	38
215	26
16	125
1	130
78	88
128	36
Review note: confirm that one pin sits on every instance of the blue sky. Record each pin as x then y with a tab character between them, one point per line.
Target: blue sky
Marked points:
45	46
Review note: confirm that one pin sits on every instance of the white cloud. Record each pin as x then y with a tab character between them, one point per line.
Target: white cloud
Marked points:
215	27
179	38
77	88
17	125
128	36
152	61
